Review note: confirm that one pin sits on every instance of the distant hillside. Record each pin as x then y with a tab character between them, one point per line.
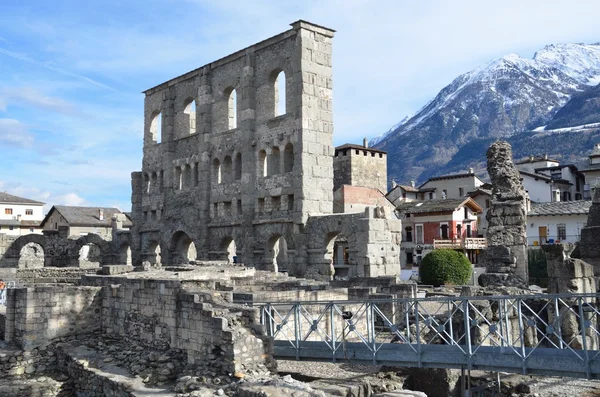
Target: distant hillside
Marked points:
582	109
507	99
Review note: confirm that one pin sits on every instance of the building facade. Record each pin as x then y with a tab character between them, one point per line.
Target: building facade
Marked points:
80	221
434	224
555	222
227	172
546	180
450	186
20	216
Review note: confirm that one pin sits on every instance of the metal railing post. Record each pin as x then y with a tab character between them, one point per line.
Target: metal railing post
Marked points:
583	327
297	328
332	330
418	333
372	332
521	335
467	323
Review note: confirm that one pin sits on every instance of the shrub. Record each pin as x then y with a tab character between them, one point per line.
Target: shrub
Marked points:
445	266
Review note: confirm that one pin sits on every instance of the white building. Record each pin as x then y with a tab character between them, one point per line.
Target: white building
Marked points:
19	216
450	186
546	180
549	223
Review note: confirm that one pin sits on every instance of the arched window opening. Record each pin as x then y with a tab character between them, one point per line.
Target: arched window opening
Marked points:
288	158
232	102
156	128
237	167
274	161
279	88
125	254
147	183
262	163
184	249
155	254
187	176
278	254
178	178
31	256
190	116
216	171
230	248
153	182
227	169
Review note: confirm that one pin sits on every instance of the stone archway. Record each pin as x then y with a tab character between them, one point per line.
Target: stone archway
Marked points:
276	258
89	251
31	256
13	253
228	250
328	234
340	256
125	254
183	249
154	255
90	255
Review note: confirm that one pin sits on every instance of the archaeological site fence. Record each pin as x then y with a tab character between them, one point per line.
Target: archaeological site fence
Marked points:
530	334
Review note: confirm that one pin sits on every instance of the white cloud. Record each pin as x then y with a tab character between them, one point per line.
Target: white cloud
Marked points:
15	133
34	97
48	197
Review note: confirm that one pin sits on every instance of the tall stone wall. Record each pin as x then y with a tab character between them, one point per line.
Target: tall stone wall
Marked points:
506	255
261	176
222	168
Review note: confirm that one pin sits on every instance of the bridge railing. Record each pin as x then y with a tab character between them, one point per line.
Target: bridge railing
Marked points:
549	334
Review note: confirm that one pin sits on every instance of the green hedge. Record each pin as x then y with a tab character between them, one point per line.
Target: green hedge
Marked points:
445	266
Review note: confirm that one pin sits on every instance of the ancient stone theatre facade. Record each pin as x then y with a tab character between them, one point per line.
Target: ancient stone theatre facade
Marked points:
238	157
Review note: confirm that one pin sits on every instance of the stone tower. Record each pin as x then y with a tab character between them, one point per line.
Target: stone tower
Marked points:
357	165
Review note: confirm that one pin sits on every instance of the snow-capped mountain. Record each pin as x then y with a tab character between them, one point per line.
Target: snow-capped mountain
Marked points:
503	99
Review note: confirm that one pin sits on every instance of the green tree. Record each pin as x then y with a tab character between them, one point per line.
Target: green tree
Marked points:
445	266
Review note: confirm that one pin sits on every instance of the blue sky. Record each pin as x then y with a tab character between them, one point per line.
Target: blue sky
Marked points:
71	72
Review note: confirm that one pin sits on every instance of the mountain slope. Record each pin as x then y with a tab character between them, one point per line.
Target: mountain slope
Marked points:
583	108
507	97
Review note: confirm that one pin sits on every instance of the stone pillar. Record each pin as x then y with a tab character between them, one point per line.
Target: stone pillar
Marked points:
571	276
505	258
589	244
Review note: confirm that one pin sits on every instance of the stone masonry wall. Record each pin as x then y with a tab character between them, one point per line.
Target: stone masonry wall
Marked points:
35	316
162	315
252	180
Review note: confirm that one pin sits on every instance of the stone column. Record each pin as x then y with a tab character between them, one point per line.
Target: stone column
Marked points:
505	258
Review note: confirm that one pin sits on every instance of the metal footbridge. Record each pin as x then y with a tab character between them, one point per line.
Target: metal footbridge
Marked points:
554	335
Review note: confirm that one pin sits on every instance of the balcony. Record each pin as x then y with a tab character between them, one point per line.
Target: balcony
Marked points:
469	243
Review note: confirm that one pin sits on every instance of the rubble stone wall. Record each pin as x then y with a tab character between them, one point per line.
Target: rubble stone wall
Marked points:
35	316
160	314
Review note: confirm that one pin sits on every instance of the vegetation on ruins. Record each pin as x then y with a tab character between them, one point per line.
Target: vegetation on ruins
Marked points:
445	266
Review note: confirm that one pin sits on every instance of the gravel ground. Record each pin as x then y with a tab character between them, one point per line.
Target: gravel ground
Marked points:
538	386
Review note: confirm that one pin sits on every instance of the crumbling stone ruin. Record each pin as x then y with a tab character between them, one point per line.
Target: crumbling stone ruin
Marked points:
227	174
505	258
589	243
